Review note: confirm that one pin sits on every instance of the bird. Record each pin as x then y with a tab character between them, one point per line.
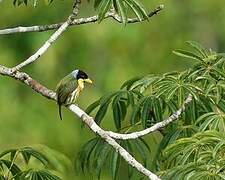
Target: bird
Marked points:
69	88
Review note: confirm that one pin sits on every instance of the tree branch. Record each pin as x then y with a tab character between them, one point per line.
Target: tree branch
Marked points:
155	127
89	121
80	21
26	79
36	86
76	6
103	134
52	38
44	47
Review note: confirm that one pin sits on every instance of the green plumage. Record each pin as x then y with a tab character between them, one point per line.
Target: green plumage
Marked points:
64	91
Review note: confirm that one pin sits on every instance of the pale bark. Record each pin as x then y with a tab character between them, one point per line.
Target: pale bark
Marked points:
75	22
39	88
89	121
52	38
155	127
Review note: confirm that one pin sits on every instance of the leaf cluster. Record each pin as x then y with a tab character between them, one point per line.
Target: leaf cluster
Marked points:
11	166
144	101
198	157
97	155
123	8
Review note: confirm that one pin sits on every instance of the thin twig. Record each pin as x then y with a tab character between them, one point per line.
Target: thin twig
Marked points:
79	21
51	40
155	127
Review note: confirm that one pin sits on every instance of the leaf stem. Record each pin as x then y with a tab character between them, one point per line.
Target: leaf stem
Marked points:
12	163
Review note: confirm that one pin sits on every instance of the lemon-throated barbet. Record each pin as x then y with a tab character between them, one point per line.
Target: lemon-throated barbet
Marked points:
69	88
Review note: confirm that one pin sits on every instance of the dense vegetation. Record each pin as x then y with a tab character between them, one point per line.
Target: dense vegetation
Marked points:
191	147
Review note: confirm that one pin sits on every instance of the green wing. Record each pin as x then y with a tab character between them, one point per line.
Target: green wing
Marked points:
63	90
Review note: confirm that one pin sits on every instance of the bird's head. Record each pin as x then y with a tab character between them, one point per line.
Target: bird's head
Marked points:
81	78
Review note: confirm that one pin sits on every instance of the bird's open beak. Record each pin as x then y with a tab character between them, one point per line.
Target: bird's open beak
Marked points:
88	81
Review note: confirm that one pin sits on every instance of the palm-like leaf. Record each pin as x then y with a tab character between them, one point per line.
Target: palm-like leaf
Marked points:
121	7
18	171
203	150
143	101
38	175
102	155
211	121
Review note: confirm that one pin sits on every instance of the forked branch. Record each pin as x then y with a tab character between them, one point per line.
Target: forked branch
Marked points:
89	121
75	22
155	127
109	137
52	38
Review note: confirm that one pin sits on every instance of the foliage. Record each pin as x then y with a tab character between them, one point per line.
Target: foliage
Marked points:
147	53
34	2
198	157
144	101
96	152
11	166
122	7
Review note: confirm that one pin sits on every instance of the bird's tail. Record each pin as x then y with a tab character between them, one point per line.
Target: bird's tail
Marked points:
60	112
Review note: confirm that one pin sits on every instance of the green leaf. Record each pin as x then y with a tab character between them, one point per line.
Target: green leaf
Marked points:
145	114
140	8
39	175
136	9
2	177
157	110
145	144
84	156
104	7
28	151
13	168
199	48
26	156
141	151
92	106
7	152
221	105
130	82
97	3
144	82
114	4
114	164
101	112
136	111
13	154
128	147
117	111
102	158
187	54
123	107
121	10
106	98
130	98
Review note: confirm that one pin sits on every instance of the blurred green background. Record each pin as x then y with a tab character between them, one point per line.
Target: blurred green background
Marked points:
110	52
